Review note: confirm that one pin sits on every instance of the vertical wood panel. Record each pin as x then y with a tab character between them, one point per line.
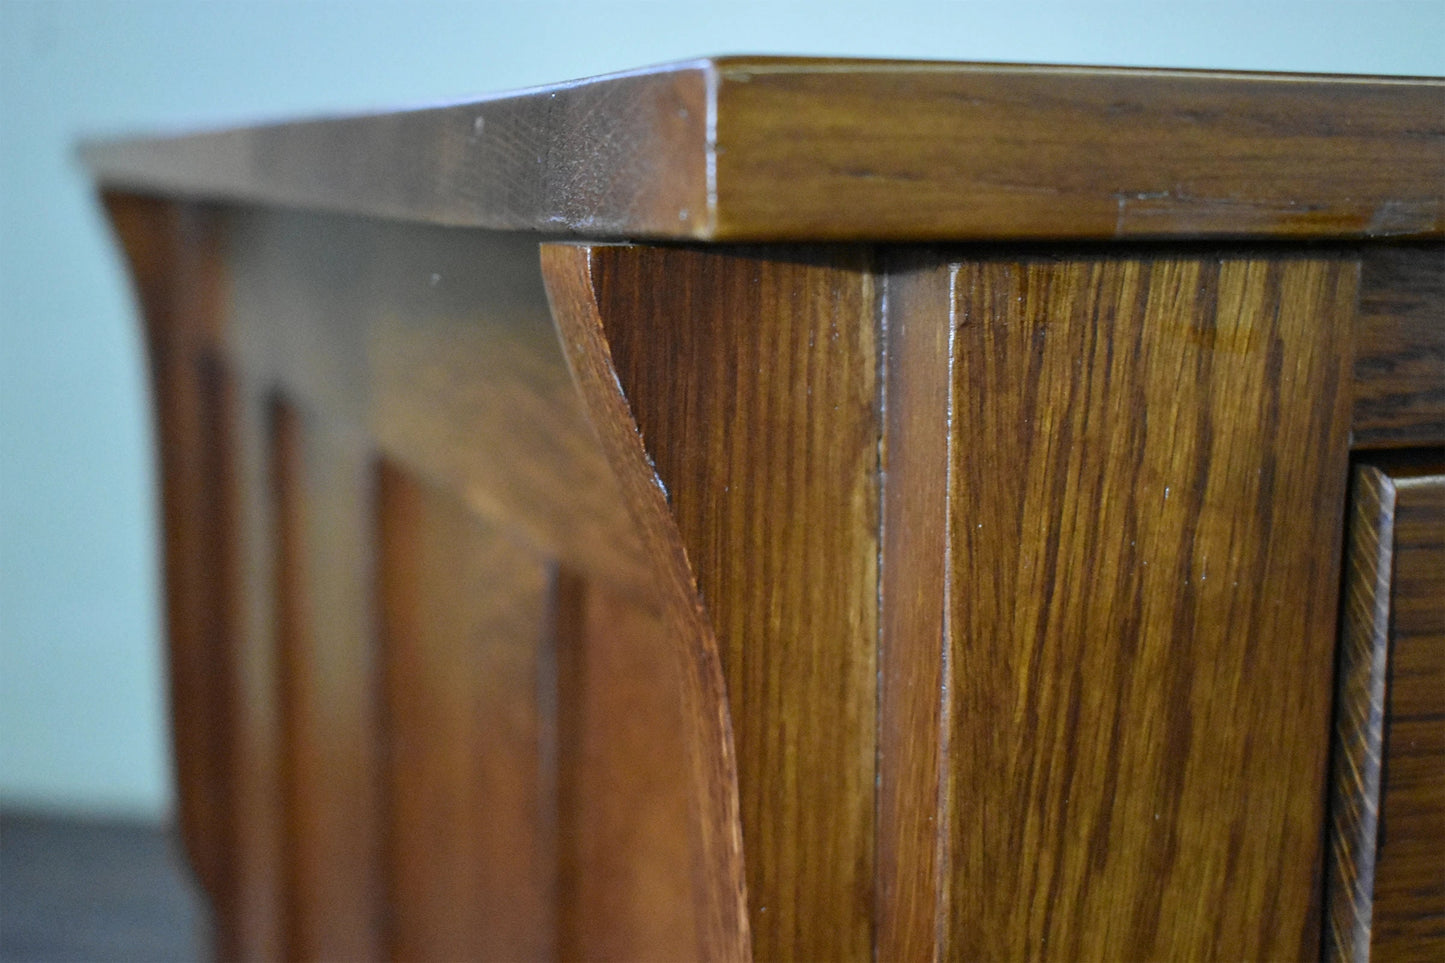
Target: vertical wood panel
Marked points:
467	622
325	633
913	601
768	451
628	866
1148	472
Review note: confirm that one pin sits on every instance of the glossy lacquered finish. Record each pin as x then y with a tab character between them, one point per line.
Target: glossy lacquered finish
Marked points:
554	598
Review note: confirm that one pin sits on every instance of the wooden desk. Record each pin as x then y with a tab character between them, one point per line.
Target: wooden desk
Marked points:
900	514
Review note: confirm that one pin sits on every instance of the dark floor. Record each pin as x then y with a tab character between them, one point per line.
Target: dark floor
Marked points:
82	891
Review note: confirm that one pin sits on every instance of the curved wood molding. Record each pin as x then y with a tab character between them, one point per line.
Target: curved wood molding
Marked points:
761	441
723	921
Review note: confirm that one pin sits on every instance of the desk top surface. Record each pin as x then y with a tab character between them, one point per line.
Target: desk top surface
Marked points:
778	149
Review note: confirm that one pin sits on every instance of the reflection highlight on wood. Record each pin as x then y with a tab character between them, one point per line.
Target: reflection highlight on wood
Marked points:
326	632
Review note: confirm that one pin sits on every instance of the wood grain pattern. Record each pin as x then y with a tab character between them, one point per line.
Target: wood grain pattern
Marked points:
1400	348
1409	904
802	602
631	886
755	149
767	452
1146	518
1359	718
960	152
434	352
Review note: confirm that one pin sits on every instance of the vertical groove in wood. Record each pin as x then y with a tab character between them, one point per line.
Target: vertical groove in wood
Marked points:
913	599
466	633
259	856
1359	719
1149	462
331	735
569	684
767	450
289	630
213	575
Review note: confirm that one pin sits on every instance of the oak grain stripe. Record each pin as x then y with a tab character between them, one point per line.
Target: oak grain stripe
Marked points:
1145	548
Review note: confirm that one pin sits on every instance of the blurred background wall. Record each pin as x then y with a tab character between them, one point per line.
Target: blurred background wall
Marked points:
82	724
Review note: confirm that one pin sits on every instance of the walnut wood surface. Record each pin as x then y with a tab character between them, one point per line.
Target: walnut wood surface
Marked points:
1399	384
1147	465
791	149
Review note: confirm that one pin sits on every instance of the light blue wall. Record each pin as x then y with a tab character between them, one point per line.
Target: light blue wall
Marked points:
81	691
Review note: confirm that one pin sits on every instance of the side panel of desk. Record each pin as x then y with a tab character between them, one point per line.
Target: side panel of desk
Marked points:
426	700
934	602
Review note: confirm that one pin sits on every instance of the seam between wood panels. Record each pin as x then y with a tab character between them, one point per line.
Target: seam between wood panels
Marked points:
943	885
881	272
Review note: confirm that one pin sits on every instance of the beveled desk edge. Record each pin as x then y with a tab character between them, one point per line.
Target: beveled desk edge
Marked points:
778	149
